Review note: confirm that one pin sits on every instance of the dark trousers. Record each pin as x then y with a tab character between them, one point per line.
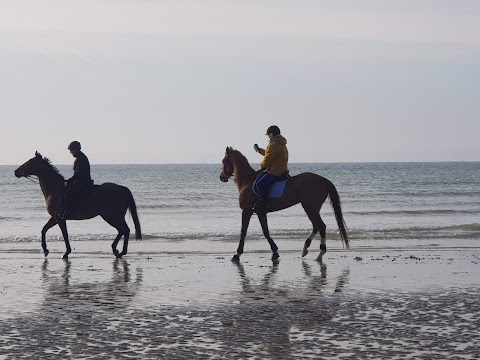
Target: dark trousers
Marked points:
263	184
73	192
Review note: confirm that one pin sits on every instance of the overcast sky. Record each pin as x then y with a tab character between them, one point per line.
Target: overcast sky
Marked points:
178	81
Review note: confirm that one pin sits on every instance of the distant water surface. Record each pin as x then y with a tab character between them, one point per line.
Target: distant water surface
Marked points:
392	202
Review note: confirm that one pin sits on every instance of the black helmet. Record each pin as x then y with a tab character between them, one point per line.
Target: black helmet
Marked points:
74	145
273	131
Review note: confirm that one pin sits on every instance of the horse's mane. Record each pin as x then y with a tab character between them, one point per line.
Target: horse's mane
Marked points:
241	158
53	167
239	155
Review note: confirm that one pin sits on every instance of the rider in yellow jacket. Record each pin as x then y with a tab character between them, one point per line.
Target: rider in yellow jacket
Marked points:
274	164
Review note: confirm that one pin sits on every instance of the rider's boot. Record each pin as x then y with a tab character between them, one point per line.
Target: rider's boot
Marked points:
261	204
67	209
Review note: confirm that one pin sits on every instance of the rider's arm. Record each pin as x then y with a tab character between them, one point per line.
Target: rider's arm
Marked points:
80	170
75	173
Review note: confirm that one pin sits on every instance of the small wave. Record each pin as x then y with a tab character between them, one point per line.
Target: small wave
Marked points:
19	239
58	238
8	218
461	231
175	206
415	212
466	227
191	236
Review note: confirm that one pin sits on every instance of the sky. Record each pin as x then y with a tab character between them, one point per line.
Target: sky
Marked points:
144	81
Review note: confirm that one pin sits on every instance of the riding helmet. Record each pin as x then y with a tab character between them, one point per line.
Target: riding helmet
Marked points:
273	131
74	145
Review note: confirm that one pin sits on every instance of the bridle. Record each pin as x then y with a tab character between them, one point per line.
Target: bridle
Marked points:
239	179
29	177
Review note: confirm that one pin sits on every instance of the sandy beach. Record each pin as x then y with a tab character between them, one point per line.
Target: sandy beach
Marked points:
164	300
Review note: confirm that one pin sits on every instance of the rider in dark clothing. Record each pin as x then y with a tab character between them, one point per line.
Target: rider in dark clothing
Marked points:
80	180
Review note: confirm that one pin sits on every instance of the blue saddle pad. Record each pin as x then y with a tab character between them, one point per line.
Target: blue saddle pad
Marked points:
278	189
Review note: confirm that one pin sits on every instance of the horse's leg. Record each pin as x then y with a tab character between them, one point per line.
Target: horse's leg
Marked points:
123	230
246	216
318	224
322	229
50	223
309	241
262	217
115	243
310	213
126	235
63	226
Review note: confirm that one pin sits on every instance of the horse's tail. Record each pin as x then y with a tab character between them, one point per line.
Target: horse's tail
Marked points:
133	211
337	208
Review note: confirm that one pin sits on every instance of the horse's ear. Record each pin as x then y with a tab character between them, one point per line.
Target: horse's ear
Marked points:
227	150
37	154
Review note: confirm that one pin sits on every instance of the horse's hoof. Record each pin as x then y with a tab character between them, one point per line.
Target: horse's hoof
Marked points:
236	258
65	257
320	258
120	255
275	256
45	252
116	253
304	252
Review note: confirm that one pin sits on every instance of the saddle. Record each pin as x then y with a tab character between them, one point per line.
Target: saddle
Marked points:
278	187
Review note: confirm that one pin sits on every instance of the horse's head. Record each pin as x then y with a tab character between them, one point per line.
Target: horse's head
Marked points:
31	167
227	165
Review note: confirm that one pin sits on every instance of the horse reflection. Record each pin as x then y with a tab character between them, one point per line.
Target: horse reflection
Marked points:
316	283
271	316
115	294
77	319
319	283
264	290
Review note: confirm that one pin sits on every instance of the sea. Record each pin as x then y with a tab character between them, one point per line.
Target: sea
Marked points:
384	205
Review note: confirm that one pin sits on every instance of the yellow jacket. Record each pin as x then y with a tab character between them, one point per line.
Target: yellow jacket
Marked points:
275	158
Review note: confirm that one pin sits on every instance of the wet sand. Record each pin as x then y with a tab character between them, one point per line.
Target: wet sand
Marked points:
164	300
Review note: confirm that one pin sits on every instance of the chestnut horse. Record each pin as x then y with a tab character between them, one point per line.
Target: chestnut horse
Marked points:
108	200
311	190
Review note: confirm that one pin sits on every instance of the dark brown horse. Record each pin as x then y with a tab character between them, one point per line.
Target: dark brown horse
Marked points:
108	200
311	190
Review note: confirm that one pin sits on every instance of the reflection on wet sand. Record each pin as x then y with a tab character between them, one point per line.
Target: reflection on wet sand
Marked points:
268	316
112	295
73	316
283	311
318	283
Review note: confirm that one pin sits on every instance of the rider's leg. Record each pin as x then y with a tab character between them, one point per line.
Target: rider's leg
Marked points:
262	186
71	197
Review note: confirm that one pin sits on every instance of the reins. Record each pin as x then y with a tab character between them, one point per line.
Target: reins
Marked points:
29	177
246	177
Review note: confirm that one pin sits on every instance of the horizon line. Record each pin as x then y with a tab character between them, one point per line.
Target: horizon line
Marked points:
299	162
